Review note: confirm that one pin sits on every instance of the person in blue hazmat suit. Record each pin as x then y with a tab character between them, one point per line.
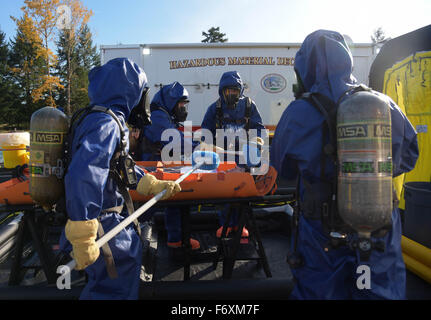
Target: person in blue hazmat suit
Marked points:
168	110
233	111
324	65
94	203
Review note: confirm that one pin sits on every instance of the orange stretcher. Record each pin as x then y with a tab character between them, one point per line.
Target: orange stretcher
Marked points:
226	182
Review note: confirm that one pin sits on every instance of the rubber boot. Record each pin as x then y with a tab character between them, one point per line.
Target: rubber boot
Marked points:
193	242
244	234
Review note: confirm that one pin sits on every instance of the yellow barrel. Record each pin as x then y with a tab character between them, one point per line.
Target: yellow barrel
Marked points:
14	147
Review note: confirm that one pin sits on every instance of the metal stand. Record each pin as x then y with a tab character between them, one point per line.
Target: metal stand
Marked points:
228	248
29	227
185	235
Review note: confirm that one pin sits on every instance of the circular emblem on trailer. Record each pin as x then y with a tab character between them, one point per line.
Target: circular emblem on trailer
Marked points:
273	83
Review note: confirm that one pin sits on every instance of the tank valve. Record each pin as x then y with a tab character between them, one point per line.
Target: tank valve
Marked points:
337	239
366	245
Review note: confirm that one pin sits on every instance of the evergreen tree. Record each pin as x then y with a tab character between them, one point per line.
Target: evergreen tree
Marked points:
214	35
88	55
5	85
27	68
378	36
4	53
88	58
62	68
67	44
83	58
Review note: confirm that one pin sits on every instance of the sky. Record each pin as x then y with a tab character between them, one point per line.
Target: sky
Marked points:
173	21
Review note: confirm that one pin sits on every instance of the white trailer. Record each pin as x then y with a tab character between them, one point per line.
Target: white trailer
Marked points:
266	69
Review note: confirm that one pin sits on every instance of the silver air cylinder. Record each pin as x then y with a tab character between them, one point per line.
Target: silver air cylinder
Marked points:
365	162
48	129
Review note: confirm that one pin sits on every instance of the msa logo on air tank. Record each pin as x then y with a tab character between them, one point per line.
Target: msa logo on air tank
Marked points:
382	130
46	138
366	167
364	131
353	131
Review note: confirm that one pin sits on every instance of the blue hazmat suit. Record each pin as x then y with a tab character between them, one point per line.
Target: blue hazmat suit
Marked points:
90	191
324	64
230	123
163	118
232	79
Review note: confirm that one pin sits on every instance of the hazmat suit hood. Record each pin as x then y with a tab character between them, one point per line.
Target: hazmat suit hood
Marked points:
117	85
169	95
324	64
230	79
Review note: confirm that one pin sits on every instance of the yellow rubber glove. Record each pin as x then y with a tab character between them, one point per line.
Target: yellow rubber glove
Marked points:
210	147
257	140
82	235
149	184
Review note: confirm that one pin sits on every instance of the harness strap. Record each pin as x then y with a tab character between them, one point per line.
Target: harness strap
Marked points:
219	115
245	119
114	174
296	212
107	255
247	114
130	208
123	140
324	207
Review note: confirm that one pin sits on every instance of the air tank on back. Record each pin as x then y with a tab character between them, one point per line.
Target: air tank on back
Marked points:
364	162
48	130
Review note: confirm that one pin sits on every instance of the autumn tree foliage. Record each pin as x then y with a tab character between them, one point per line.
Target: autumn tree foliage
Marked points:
44	16
32	75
